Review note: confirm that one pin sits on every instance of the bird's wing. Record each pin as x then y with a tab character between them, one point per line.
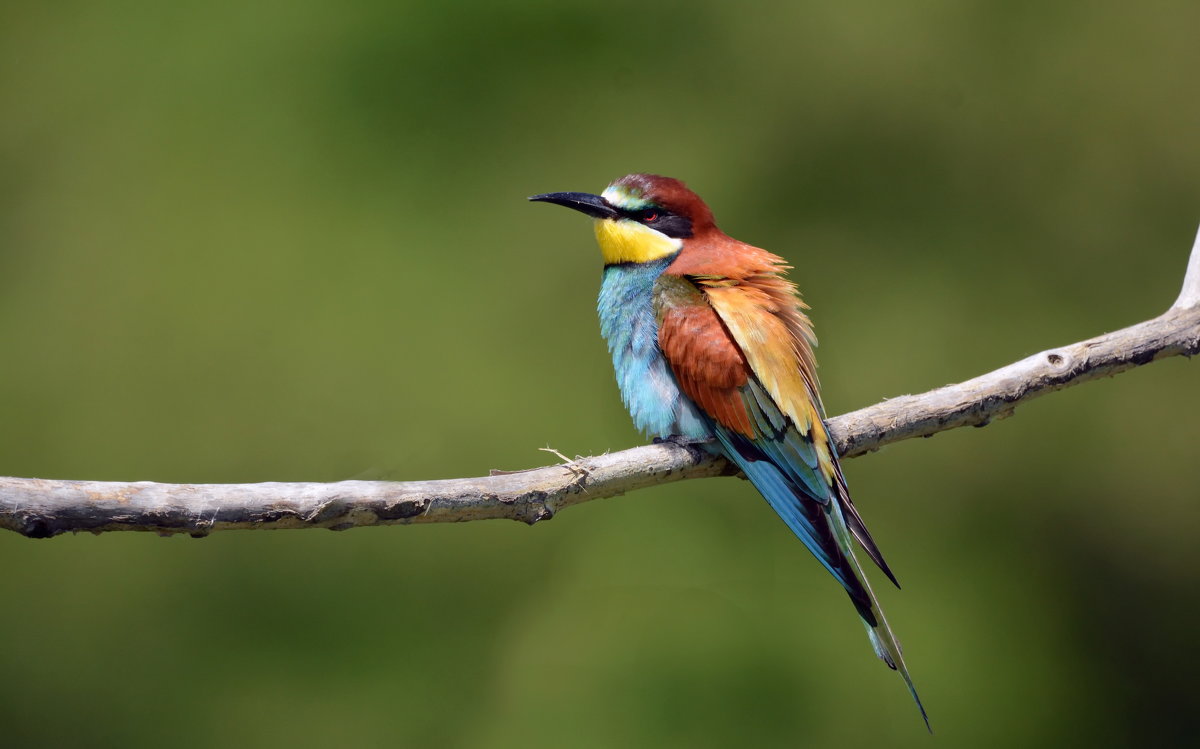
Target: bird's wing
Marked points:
741	349
772	439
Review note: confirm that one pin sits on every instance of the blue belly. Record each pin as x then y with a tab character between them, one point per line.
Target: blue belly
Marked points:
647	385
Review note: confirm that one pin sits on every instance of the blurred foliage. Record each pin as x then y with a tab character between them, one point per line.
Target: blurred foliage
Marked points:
246	241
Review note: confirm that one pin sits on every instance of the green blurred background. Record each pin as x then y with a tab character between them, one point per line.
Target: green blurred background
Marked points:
250	241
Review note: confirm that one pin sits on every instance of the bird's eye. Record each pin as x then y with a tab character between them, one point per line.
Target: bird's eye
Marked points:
650	216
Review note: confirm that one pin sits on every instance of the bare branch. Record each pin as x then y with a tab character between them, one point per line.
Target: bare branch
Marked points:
40	508
1189	296
995	395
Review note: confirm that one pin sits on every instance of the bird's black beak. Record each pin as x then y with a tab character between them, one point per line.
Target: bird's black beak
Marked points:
593	205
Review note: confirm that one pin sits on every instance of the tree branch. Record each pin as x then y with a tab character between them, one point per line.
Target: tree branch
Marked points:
41	508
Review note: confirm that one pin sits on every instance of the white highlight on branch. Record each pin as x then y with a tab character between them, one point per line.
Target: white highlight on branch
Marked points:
41	508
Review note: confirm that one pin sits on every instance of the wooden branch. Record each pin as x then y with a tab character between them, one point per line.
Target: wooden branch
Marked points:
41	508
1189	295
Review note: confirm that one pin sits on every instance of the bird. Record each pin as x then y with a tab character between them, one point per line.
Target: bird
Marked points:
711	345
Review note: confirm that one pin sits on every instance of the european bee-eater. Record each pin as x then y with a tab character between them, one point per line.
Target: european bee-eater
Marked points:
711	344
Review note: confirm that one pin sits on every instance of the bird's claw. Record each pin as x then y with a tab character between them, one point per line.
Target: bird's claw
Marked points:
682	441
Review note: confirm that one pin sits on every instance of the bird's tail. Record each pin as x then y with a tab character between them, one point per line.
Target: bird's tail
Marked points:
821	524
886	646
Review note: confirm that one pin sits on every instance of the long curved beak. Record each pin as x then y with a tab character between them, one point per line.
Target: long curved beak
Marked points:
593	205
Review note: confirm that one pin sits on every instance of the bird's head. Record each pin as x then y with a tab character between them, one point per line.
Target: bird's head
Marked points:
640	218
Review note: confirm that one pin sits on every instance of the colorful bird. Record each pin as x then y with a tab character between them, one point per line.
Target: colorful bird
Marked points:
710	344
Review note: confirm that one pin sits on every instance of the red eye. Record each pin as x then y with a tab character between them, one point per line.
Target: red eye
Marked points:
650	216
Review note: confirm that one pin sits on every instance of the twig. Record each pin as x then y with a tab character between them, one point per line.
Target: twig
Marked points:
40	508
1189	295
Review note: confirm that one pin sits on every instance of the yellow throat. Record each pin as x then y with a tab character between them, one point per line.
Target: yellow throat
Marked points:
625	241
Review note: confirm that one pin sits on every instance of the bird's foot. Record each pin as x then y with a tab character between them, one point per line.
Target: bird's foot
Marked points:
682	441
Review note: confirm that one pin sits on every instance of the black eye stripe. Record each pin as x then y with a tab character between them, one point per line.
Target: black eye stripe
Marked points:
671	224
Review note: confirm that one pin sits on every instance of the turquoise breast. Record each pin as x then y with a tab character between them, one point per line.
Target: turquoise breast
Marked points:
653	398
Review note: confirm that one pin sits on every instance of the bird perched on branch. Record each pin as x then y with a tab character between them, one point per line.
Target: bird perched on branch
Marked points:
710	344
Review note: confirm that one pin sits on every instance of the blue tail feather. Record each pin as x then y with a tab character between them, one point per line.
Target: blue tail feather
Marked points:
822	527
807	518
